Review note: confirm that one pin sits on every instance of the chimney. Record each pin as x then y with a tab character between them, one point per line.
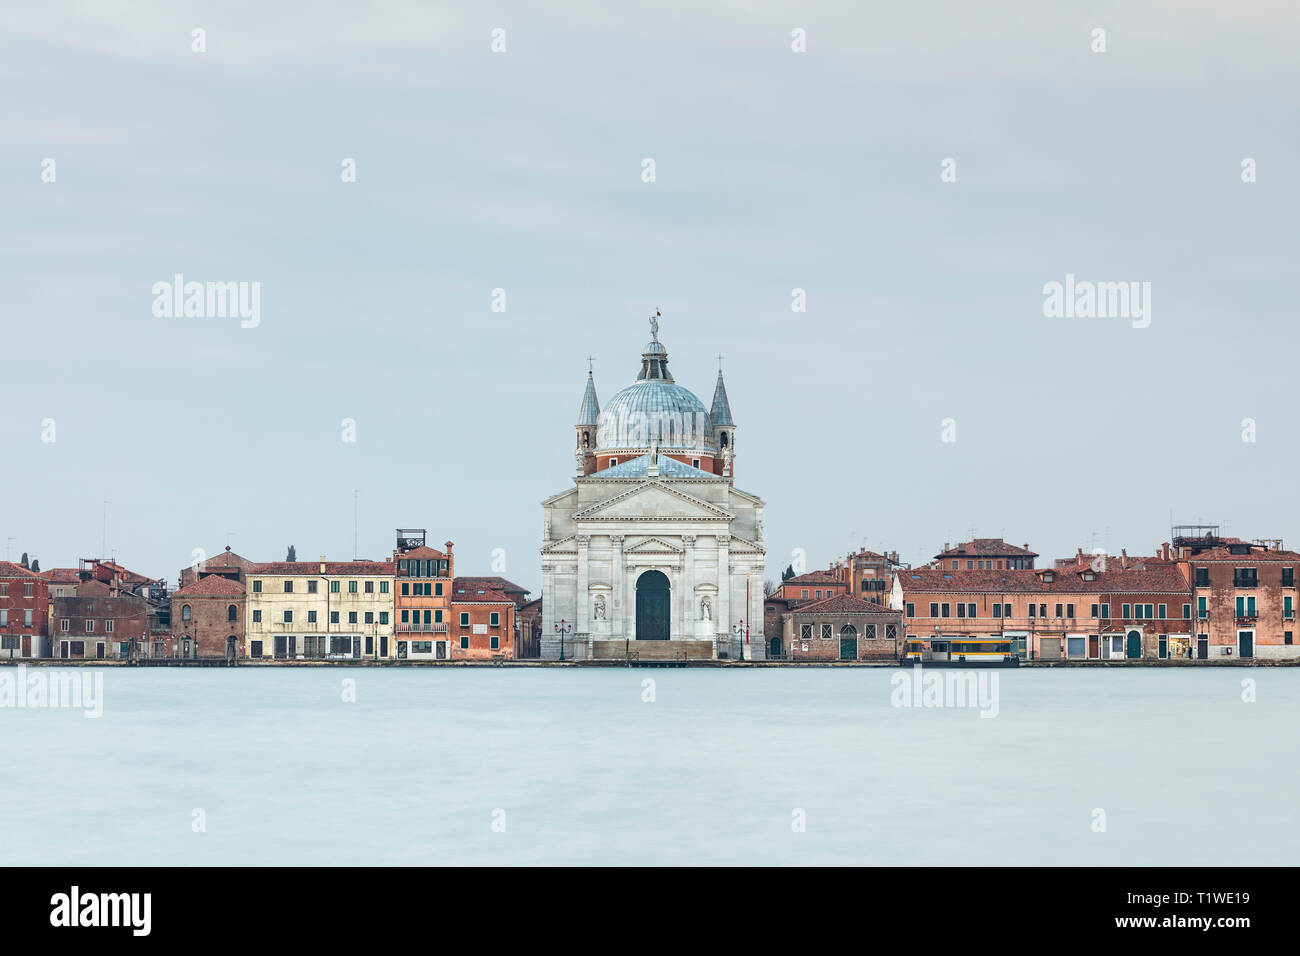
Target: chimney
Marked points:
447	545
322	564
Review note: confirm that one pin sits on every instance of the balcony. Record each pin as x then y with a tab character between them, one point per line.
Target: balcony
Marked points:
422	628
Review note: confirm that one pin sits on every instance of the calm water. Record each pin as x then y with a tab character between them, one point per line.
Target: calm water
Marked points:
710	772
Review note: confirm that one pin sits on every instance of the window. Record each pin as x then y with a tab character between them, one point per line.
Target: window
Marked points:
383	587
496	619
63	625
1163	609
27	590
496	642
185	612
1288	577
288	617
352	587
334	587
90	626
383	617
997	610
1245	607
370	617
311	617
1006	610
911	610
1244	577
961	610
370	587
1069	611
1126	611
464	619
934	610
1092	610
612	463
970	609
826	632
257	587
334	617
437	617
969	565
437	589
1286	637
352	617
1288	609
288	587
943	610
406	589
311	586
1201	610
1033	610
1059	610
805	632
1202	577
8	643
4	590
1042	610
257	617
1187	612
108	625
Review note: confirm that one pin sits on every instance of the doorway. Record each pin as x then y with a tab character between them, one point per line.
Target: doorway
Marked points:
653	607
1245	643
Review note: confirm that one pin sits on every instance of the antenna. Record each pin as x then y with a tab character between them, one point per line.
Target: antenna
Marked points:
103	541
355	494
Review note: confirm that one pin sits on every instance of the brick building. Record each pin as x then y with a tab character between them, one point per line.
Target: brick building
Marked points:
1245	595
226	564
985	554
841	627
483	623
528	621
24	612
208	618
104	621
1127	608
814	585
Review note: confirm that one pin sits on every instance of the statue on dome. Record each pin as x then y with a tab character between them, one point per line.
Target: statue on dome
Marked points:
654	326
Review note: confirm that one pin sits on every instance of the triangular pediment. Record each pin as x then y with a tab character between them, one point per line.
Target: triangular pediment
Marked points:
653	546
654	501
567	545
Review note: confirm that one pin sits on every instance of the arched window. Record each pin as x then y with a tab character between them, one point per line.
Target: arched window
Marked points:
848	630
724	439
232	614
185	613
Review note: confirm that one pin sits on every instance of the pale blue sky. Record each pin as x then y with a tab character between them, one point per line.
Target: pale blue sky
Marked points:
521	170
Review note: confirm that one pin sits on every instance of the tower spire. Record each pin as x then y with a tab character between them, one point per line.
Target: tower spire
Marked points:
721	412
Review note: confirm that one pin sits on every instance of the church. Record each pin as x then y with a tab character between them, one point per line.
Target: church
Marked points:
654	553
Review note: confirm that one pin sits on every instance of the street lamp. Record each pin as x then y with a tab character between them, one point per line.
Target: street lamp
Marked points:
563	628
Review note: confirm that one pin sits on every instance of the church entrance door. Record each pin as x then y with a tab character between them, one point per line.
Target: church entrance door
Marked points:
653	621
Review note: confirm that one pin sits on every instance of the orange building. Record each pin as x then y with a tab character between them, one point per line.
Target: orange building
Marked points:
422	599
1130	608
985	554
813	586
483	625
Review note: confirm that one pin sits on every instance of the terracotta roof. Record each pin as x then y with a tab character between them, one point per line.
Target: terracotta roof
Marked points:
313	567
1259	554
423	551
213	584
10	570
500	584
816	577
984	547
61	575
481	596
843	604
1166	579
132	577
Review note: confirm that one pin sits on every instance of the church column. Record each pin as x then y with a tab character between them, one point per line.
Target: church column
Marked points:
723	624
581	628
618	615
688	588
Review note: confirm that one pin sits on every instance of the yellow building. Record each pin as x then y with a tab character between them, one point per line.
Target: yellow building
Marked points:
320	610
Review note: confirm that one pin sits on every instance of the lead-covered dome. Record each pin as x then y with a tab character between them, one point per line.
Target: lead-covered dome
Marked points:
654	408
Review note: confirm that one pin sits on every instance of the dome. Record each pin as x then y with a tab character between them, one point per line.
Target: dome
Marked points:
654	409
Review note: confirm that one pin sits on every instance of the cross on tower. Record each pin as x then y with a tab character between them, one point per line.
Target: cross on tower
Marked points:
590	359
719	361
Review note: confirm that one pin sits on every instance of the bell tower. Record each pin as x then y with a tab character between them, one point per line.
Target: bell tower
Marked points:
724	429
584	451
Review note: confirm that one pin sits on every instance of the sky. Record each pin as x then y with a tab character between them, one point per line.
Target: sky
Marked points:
922	395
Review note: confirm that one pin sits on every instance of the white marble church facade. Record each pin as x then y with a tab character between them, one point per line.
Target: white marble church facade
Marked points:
653	542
